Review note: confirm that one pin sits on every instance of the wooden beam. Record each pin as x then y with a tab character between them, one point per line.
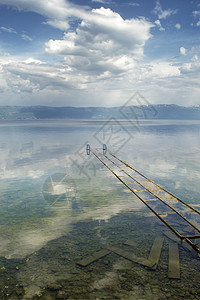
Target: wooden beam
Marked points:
154	255
95	256
130	256
174	265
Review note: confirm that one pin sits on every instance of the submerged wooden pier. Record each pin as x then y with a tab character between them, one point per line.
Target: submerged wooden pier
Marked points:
171	210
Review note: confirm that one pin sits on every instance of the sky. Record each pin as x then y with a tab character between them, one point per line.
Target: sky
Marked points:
99	52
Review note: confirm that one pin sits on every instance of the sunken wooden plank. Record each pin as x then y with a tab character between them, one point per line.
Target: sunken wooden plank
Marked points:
130	256
185	245
174	266
95	256
154	255
130	243
189	229
172	236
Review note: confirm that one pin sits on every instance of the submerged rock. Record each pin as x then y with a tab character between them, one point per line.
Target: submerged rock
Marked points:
54	286
61	295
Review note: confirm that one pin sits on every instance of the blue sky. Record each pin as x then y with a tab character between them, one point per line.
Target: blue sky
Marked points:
99	53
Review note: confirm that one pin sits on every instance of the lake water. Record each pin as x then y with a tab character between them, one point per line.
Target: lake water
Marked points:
60	205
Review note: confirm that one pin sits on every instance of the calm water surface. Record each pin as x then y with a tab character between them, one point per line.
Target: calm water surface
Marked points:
59	205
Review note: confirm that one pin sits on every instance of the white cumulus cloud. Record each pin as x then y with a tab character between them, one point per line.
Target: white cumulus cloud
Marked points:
102	61
103	43
164	69
161	28
178	26
196	14
53	10
158	81
183	51
163	14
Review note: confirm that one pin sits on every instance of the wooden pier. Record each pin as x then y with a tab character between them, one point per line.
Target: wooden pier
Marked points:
170	209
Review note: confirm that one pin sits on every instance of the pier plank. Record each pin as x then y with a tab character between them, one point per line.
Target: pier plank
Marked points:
95	256
130	256
174	265
154	255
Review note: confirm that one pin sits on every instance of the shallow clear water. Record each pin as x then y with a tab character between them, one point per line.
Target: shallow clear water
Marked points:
59	205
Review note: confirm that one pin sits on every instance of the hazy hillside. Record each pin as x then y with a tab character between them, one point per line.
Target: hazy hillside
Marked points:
160	111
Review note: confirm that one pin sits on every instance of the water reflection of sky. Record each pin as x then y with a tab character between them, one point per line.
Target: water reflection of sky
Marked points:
165	150
31	152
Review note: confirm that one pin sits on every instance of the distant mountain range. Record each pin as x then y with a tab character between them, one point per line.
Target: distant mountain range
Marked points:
159	111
